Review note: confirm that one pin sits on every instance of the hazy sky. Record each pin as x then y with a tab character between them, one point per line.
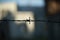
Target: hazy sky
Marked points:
26	2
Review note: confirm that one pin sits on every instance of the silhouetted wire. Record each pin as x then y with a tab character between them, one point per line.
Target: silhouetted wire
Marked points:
33	21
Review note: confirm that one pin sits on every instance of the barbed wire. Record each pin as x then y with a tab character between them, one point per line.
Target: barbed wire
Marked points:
29	20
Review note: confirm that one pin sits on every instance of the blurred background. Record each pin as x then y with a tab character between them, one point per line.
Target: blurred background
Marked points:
22	10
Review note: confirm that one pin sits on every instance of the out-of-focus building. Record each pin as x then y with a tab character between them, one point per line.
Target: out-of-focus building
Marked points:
12	8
